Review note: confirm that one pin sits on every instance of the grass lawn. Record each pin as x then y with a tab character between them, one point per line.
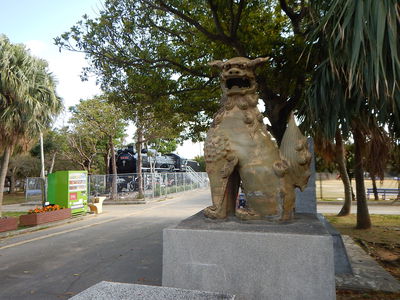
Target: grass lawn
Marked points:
13	213
13	198
382	242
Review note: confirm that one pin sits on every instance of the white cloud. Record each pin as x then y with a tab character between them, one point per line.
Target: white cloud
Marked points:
190	150
66	67
36	47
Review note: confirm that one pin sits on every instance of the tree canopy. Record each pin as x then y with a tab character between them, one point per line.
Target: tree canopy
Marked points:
162	48
358	75
99	116
97	126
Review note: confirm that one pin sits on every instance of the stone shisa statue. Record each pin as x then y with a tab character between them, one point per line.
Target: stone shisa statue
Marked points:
239	150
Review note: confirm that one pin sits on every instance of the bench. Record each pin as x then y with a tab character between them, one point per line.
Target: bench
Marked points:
97	205
383	191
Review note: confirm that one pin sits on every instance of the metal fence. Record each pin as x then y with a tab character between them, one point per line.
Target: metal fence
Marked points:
34	190
126	186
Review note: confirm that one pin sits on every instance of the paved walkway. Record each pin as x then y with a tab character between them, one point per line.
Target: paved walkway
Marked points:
368	274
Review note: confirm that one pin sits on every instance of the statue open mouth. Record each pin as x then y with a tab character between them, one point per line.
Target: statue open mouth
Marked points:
239	82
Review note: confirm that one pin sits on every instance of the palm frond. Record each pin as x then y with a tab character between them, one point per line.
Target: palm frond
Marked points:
361	71
28	100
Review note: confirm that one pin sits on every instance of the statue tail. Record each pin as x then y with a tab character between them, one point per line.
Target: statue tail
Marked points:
294	149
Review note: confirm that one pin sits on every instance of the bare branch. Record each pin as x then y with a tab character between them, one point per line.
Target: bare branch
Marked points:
212	36
236	21
214	11
231	12
288	10
167	8
167	30
294	17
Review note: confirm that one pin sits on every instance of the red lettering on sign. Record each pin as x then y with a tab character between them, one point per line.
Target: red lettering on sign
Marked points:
73	196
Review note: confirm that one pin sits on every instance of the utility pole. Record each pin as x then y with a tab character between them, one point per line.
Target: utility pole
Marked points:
42	156
42	174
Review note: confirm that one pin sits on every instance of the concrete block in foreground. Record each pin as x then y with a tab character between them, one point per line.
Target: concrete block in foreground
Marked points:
105	290
252	259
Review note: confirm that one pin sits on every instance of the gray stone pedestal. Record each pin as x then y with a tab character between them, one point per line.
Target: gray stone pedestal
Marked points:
252	260
306	201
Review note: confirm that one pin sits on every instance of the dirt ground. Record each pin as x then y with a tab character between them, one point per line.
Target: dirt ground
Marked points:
353	295
13	198
382	242
332	189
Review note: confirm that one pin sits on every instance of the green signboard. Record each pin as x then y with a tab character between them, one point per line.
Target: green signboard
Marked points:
68	189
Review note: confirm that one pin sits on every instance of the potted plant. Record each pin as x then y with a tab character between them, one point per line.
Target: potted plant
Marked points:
47	214
8	223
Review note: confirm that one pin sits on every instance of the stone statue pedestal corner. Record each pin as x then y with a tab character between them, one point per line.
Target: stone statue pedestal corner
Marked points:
252	259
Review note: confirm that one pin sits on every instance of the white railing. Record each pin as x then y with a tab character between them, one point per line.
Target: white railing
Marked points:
196	176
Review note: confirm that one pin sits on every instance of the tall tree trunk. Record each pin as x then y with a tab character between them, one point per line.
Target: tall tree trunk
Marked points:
3	173
351	175
87	166
341	162
374	188
12	181
107	162
53	160
353	196
278	107
114	171
363	219
139	162
8	179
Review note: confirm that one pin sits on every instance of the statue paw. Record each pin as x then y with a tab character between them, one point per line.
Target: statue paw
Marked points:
247	214
287	216
213	213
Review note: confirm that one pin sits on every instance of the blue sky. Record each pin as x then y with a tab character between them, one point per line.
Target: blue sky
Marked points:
24	20
36	23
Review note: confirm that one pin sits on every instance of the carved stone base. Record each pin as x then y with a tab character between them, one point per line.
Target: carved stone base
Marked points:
251	259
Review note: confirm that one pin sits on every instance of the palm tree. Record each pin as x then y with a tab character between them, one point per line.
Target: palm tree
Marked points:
355	86
378	146
335	152
28	100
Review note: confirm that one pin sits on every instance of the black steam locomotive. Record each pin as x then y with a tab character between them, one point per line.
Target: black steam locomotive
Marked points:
151	160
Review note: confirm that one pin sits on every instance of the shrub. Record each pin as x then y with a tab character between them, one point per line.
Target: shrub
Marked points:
47	208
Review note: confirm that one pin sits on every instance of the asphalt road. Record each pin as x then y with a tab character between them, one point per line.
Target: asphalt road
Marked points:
123	245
